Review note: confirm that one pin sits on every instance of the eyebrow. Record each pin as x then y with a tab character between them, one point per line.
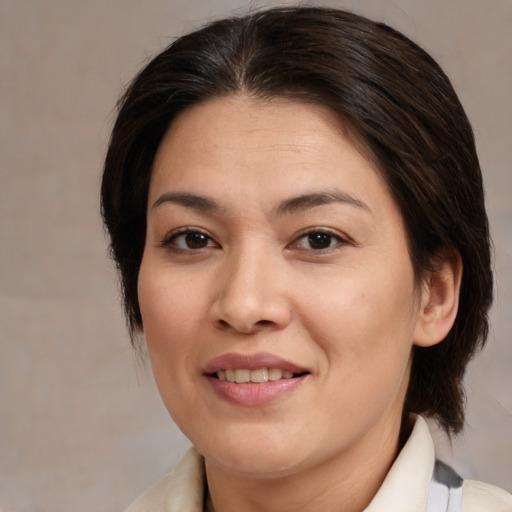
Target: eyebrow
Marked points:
307	201
287	207
197	202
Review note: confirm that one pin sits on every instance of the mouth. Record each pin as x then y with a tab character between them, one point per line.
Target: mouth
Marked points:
257	376
253	379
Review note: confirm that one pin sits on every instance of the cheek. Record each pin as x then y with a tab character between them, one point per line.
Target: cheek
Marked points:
169	311
363	318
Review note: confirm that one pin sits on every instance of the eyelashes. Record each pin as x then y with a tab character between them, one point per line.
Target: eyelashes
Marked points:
195	240
318	239
188	239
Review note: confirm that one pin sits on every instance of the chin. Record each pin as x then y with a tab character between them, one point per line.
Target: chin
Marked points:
257	466
255	456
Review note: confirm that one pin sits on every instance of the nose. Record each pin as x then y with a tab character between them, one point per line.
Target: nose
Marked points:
252	294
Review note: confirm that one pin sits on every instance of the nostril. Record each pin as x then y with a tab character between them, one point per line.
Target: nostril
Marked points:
249	328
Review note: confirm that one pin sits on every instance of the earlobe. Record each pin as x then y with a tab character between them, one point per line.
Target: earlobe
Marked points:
439	299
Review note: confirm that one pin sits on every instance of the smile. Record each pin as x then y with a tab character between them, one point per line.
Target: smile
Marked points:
253	380
258	376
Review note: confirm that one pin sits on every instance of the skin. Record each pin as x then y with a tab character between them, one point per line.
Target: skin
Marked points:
346	309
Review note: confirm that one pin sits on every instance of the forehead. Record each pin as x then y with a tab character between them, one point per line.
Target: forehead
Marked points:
241	139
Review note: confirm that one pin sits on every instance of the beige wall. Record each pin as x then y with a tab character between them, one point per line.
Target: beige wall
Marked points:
81	427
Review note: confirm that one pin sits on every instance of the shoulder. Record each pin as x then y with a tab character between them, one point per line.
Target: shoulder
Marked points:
181	489
481	497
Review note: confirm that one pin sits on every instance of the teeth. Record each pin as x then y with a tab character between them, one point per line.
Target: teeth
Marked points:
242	375
259	375
275	374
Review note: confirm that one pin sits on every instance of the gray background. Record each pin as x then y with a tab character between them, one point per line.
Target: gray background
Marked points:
82	427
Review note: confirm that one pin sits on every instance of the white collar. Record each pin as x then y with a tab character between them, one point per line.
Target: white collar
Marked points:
405	487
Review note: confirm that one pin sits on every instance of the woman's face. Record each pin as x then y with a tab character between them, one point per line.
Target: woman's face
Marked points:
275	253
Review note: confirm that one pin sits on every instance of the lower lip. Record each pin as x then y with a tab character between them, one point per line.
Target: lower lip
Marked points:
251	394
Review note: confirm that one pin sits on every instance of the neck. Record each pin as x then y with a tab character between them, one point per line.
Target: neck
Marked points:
348	481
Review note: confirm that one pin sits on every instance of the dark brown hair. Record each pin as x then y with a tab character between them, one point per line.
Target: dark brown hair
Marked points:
388	91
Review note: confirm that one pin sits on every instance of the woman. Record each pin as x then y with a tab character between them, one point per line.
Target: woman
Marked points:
296	208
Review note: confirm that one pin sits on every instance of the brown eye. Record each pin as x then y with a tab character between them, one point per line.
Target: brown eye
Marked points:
190	240
318	240
196	240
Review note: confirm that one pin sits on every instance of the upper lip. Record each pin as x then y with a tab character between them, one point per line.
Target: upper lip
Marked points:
233	361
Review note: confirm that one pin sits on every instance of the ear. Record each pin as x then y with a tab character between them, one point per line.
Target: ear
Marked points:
439	298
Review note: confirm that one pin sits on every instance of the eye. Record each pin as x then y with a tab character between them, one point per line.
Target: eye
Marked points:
318	240
190	240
